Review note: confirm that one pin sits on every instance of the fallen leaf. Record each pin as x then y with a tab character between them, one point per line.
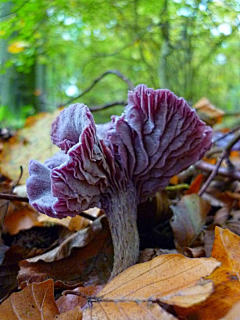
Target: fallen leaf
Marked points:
233	224
233	313
148	254
135	293
20	216
22	147
74	314
225	279
164	275
86	257
197	293
208	112
188	219
195	185
36	301
209	237
195	252
8	280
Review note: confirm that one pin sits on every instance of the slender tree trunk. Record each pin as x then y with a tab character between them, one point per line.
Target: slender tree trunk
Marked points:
19	89
165	48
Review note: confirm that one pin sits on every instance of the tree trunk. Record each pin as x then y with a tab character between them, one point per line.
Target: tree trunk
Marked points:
19	89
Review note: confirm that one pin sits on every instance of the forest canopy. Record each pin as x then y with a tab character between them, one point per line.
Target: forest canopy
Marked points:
51	51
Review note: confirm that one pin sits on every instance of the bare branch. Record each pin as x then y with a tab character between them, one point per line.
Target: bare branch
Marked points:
108	105
225	172
116	72
225	153
15	11
13	197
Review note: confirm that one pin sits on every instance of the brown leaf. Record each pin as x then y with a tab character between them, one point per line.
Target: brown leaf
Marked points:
8	280
22	147
74	314
158	278
195	185
233	313
208	112
188	219
226	279
36	301
209	237
20	216
87	257
233	224
172	279
9	269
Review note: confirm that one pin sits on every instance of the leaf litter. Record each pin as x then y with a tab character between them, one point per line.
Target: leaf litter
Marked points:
185	221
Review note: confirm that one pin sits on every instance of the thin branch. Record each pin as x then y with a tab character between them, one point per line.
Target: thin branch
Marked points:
13	197
116	72
15	11
216	46
224	154
228	133
108	105
225	172
87	216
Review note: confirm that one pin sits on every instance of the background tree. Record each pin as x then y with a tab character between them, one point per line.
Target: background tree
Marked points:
191	47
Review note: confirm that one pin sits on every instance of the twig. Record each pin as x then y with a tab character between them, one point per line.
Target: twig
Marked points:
224	154
116	72
87	216
13	197
228	133
108	105
19	178
208	167
15	11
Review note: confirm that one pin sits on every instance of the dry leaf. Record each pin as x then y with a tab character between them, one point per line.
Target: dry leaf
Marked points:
197	293
87	257
226	279
172	279
20	216
74	314
233	313
208	112
36	301
8	280
195	185
188	219
158	278
22	147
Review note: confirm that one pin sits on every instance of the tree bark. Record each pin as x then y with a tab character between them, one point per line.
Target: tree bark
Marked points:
17	88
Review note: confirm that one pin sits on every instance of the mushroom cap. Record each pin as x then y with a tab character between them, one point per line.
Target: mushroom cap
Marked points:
157	136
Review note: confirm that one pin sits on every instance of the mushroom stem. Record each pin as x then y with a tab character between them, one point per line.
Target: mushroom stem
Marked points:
121	212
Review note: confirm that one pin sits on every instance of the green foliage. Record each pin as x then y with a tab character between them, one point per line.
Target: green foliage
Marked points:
9	119
187	46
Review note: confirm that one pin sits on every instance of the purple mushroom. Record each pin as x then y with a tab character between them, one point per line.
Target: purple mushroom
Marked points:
118	165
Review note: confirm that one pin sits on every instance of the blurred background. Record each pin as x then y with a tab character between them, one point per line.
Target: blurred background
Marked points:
52	51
